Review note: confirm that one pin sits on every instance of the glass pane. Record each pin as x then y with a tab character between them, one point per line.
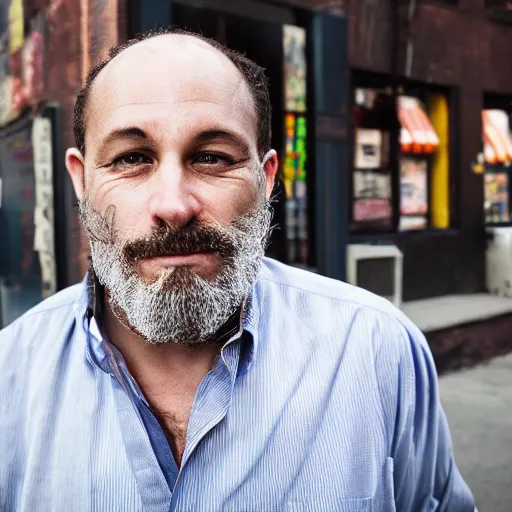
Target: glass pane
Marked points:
20	277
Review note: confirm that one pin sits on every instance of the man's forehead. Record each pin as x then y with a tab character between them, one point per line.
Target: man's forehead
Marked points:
168	69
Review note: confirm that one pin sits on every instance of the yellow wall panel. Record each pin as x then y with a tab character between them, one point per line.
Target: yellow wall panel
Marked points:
440	173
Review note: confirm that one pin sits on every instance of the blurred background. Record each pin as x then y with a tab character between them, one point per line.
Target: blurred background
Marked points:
392	120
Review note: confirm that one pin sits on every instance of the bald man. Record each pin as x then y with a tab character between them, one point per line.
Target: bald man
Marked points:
188	372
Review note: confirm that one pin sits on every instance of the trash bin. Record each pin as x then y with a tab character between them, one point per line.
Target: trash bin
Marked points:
499	261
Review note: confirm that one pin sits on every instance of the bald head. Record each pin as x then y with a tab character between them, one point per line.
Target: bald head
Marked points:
174	66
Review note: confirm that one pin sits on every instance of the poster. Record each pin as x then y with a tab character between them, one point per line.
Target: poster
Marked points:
372	196
496	190
371	209
44	238
368	153
294	49
413	186
372	185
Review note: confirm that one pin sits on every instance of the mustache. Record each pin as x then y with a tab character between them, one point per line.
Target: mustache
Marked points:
193	238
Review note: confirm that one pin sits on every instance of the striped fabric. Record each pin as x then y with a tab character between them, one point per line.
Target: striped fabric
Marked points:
327	402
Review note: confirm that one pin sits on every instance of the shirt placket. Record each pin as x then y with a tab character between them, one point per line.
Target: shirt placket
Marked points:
151	483
210	407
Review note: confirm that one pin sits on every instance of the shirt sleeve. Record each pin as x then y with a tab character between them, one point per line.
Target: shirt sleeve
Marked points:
426	477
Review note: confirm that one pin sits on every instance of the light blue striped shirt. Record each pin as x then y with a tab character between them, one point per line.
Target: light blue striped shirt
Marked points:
327	402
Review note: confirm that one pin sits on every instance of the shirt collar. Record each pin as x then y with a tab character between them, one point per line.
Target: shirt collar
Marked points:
99	352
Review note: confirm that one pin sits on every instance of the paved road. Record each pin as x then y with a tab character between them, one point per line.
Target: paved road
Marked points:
478	404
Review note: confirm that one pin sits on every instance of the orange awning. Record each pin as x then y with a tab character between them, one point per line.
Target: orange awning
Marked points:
417	134
496	137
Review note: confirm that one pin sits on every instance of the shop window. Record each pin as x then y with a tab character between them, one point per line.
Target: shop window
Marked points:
419	198
294	170
497	144
418	142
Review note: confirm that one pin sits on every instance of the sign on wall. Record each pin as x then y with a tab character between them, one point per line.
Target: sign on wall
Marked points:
44	221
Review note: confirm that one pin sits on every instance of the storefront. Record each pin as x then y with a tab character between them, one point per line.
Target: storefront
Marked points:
402	179
286	42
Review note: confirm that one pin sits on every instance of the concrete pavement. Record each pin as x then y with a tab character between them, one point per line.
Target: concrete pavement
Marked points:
478	404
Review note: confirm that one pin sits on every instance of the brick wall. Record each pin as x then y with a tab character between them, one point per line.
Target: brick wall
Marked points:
320	5
64	72
65	69
453	45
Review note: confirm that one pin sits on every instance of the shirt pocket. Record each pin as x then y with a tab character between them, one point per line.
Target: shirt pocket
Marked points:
382	501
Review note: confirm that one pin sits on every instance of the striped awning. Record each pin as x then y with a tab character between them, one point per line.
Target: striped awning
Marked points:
417	134
496	137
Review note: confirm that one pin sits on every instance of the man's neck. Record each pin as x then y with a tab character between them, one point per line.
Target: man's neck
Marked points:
152	365
168	374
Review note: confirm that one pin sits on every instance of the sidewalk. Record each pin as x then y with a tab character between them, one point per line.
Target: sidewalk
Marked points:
478	404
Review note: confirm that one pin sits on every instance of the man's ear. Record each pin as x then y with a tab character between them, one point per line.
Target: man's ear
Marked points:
75	167
270	166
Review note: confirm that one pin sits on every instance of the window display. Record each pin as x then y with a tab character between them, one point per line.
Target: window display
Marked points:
409	183
371	178
496	198
294	178
294	174
418	142
497	144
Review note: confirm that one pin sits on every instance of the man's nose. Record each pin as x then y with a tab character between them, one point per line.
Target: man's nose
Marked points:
172	200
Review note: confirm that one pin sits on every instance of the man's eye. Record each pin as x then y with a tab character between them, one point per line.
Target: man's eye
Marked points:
211	159
131	159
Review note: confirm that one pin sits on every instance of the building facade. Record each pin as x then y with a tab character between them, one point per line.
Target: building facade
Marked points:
455	50
302	45
350	81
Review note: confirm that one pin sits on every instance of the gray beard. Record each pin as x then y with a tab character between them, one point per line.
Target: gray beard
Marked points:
180	306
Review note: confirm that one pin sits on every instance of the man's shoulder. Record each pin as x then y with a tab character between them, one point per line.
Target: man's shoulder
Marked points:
333	291
42	316
332	307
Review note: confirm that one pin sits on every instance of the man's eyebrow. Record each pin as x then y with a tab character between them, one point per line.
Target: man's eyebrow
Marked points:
130	132
222	135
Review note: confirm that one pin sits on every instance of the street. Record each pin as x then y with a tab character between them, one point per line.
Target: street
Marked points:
478	404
